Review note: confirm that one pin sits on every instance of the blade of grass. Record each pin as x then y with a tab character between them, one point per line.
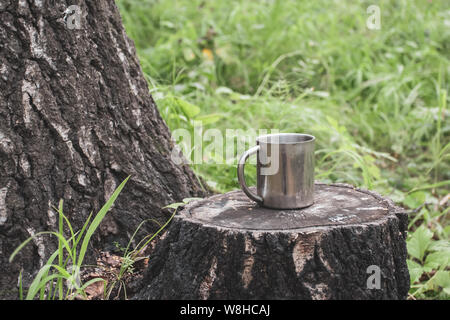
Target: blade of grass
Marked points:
59	283
41	285
156	233
136	231
59	236
430	186
20	286
96	222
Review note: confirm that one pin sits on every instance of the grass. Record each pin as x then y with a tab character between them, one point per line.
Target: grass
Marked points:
132	255
375	99
61	280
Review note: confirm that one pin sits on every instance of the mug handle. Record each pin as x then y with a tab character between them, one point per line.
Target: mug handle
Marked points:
241	176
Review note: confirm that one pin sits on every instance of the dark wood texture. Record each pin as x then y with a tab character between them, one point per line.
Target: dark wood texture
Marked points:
227	247
76	118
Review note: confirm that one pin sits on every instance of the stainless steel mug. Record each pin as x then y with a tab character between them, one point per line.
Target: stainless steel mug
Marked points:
285	171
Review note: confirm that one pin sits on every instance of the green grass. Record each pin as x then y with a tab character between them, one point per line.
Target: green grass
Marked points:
61	280
132	255
375	99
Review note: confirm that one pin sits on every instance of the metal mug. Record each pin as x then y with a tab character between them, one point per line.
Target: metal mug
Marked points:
285	171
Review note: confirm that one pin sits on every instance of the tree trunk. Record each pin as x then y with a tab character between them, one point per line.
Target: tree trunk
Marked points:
350	244
76	118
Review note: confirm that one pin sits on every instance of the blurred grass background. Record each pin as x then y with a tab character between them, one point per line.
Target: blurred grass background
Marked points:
375	99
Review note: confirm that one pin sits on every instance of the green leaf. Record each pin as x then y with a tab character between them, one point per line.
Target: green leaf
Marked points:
188	54
440	245
45	274
20	286
437	260
88	283
80	234
188	109
60	246
374	171
174	205
187	200
138	250
59	236
415	270
441	279
414	200
97	220
419	242
223	90
447	229
135	233
447	290
209	118
431	186
42	273
34	290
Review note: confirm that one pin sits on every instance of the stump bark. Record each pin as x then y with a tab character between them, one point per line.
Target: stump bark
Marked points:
227	247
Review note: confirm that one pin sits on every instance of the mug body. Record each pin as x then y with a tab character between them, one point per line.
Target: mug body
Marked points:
285	170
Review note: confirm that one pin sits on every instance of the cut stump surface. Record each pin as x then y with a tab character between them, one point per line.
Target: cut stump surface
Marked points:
350	244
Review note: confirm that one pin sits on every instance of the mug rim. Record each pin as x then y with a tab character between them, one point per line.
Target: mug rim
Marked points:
310	138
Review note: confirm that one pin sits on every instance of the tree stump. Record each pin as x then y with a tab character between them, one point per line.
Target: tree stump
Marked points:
228	247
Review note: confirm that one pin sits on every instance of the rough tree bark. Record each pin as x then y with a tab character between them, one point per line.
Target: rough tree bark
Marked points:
76	118
227	247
